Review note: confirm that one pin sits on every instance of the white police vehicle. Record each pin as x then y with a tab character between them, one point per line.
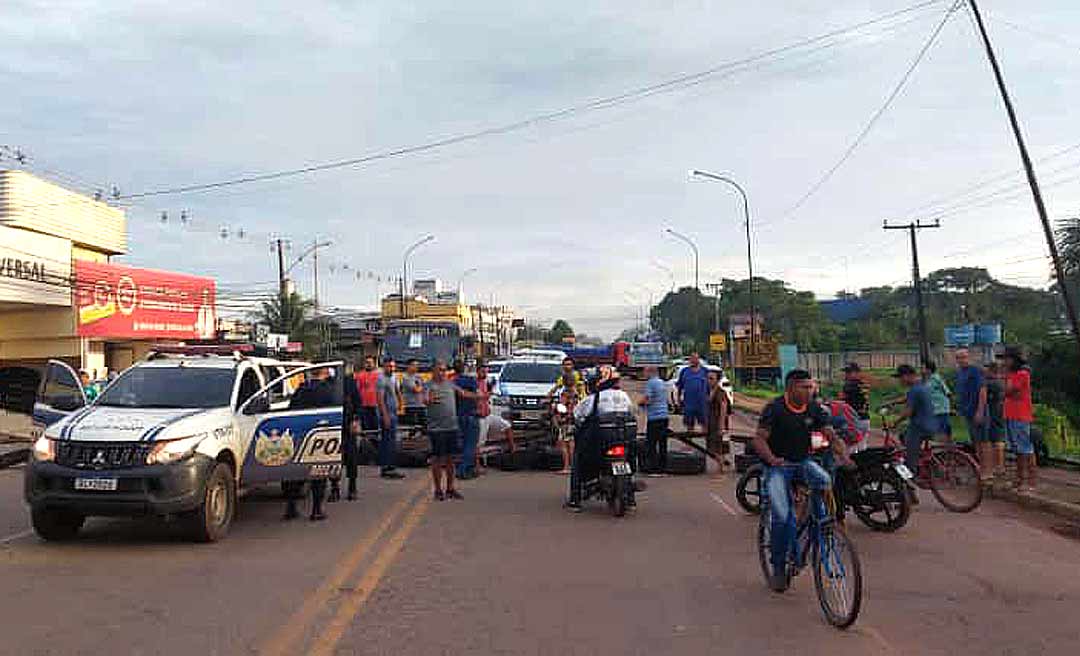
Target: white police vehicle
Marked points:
182	435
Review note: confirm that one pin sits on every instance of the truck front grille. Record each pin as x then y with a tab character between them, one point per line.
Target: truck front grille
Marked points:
102	455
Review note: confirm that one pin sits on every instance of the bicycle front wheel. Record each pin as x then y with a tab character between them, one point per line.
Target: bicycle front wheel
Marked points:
954	480
837	577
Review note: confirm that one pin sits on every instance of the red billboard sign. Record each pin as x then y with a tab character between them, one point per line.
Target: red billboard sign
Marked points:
113	300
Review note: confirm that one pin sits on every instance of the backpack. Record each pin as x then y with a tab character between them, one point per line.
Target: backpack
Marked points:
844	422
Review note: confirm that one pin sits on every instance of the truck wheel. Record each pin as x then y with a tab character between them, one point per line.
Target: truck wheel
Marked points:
211	520
56	525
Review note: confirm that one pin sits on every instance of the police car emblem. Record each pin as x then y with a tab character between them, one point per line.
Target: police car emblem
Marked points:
275	449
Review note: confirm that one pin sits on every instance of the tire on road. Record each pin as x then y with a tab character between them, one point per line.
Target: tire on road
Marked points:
56	525
617	501
211	520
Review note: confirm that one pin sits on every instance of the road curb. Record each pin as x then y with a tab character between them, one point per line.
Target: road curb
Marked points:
1038	502
1033	501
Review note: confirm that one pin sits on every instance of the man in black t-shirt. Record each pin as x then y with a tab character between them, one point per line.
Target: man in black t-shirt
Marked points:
784	441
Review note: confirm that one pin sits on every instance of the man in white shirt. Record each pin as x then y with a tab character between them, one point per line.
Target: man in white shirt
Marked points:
612	400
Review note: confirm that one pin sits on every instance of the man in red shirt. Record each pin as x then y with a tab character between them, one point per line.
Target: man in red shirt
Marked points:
366	383
1018	416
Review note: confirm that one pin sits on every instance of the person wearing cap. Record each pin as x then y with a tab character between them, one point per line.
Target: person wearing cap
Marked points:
856	393
608	399
1018	416
919	411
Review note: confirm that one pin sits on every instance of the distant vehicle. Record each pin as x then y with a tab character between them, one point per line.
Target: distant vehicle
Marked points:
644	354
542	354
616	354
522	393
424	341
180	435
495	368
673	391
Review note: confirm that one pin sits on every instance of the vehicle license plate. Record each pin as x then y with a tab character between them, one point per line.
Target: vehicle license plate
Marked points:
96	484
620	468
904	472
531	414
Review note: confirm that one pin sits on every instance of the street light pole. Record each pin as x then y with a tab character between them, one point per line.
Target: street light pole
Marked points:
749	249
405	268
693	247
461	280
665	268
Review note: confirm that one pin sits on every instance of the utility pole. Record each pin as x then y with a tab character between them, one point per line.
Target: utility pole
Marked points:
315	266
912	228
283	285
1029	169
715	288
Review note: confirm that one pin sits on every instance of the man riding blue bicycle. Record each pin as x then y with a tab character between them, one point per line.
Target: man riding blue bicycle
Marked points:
791	428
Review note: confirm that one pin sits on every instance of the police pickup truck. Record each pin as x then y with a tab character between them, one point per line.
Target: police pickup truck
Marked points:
182	435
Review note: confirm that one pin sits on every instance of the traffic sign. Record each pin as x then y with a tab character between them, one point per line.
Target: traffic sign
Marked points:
763	353
718	342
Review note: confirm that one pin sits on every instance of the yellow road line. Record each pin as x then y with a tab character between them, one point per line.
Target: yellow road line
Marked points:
286	639
329	638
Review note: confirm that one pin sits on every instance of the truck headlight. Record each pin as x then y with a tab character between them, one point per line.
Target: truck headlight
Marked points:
44	449
171	451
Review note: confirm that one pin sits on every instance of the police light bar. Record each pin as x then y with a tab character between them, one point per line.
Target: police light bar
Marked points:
235	350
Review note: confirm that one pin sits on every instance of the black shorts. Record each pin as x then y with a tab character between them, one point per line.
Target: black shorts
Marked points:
444	443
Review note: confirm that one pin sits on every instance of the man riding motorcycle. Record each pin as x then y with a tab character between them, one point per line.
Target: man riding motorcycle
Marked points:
607	400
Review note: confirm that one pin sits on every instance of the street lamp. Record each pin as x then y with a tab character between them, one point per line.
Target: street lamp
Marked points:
749	251
668	270
461	280
405	267
693	247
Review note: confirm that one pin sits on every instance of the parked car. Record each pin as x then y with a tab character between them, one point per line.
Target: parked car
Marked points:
522	393
673	391
180	435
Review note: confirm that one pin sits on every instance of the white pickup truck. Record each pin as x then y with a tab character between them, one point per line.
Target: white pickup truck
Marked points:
181	435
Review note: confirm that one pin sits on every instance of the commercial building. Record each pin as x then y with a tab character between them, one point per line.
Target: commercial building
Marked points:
62	298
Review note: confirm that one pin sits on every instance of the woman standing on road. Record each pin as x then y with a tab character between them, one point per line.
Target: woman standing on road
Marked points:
717	418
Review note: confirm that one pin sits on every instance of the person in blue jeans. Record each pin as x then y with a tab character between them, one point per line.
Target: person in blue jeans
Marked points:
387	395
468	422
655	402
783	442
693	386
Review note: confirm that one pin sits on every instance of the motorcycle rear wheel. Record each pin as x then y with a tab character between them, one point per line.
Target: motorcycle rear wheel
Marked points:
617	500
889	506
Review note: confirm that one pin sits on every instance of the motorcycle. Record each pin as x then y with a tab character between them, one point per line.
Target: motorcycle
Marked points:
611	477
874	489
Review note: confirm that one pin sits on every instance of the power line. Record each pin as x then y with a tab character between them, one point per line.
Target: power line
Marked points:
602	103
824	179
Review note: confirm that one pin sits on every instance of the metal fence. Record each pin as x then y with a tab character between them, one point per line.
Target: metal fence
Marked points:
829	366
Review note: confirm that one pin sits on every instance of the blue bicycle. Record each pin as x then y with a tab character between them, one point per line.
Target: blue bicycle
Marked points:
837	572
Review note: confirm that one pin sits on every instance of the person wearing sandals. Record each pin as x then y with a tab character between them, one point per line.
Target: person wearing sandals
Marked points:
1019	415
442	428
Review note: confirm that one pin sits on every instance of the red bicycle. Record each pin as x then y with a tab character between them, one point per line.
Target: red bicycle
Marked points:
951	474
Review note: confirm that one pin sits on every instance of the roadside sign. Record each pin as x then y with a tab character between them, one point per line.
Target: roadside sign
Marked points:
718	342
276	340
763	353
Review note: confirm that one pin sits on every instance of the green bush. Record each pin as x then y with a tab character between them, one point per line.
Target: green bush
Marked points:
1060	434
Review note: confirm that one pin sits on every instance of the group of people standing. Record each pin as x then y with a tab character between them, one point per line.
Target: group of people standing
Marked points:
995	402
452	408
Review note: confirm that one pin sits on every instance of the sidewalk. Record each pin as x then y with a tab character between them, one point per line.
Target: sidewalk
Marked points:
1059	489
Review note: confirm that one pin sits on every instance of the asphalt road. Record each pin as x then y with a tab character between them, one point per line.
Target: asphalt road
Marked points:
507	571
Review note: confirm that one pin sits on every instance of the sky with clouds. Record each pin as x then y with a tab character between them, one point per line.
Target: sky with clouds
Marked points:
563	218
